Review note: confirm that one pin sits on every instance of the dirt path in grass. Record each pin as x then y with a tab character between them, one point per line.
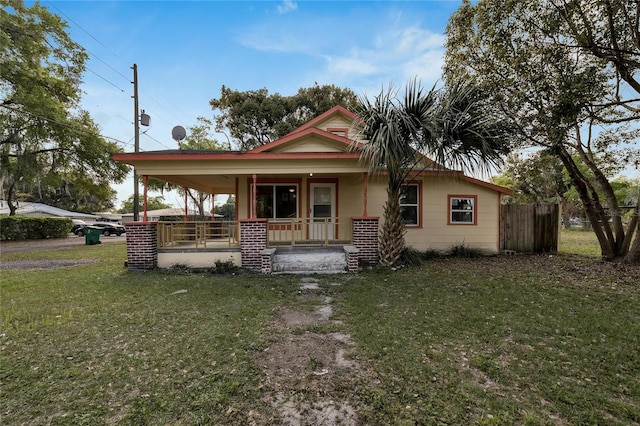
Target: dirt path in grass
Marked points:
308	375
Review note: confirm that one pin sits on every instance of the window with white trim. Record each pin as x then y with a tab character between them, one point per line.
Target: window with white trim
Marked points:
409	204
276	201
462	210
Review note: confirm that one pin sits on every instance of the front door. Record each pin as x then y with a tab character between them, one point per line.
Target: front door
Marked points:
323	211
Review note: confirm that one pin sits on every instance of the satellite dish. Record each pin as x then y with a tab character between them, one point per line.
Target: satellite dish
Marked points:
178	133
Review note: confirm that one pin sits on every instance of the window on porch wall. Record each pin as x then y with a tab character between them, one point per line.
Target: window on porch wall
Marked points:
276	201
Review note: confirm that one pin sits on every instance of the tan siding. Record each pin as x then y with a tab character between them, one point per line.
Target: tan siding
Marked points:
336	121
340	122
435	232
350	197
312	144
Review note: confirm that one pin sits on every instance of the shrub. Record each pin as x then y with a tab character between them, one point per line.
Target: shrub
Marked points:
413	257
461	250
226	267
431	254
33	227
410	257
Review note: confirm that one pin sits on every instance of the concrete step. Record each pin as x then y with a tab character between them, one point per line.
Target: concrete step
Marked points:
319	260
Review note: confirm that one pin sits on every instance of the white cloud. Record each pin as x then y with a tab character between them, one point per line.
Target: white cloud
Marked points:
395	55
356	56
270	41
287	6
353	64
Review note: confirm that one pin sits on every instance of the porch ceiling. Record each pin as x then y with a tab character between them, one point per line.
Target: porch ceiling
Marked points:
211	184
216	173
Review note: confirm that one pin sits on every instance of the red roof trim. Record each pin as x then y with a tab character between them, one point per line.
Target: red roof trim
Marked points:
294	136
125	157
489	185
338	109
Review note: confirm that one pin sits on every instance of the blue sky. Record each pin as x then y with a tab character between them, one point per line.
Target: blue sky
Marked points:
186	50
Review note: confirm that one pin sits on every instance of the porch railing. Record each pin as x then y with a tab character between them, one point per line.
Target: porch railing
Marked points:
205	234
308	232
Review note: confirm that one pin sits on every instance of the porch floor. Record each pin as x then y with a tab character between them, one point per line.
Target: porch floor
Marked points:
213	244
309	243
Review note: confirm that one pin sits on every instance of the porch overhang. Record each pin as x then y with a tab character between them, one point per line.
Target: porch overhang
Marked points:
216	172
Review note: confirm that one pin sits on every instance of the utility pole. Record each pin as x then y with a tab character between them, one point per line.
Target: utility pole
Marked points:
136	124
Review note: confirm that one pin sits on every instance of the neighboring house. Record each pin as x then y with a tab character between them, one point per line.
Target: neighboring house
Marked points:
108	217
310	187
38	209
168	214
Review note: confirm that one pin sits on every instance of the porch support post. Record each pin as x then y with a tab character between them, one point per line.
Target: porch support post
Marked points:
186	206
236	208
213	207
364	236
255	193
145	182
365	187
142	245
253	240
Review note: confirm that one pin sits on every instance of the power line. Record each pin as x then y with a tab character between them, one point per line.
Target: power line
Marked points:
112	68
151	137
113	84
77	25
78	129
170	103
155	112
91	35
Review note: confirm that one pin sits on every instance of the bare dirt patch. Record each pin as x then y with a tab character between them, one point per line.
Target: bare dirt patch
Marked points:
307	375
43	264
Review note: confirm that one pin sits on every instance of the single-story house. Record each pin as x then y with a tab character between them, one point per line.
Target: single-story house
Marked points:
39	209
310	188
172	213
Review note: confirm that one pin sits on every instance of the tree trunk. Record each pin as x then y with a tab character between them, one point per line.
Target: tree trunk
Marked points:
617	236
12	207
633	256
392	232
589	205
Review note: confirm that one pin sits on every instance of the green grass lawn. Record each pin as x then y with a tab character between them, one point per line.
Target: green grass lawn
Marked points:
520	340
550	339
579	241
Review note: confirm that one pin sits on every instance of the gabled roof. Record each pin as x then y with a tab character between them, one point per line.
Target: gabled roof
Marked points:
325	115
329	138
322	142
31	209
312	127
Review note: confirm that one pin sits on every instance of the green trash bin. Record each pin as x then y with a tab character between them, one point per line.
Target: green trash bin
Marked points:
92	235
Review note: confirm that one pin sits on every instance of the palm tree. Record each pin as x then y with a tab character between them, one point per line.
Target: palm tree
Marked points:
451	126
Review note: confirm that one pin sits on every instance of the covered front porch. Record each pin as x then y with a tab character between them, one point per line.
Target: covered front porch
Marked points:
248	243
222	234
316	200
305	189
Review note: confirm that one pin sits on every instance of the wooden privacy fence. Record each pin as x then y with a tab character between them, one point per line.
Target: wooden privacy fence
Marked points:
529	227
